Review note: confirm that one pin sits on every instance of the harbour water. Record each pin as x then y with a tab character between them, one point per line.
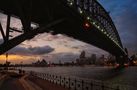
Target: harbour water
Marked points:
126	77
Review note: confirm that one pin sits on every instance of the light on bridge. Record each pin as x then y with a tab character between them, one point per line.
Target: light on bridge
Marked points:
98	27
80	10
88	18
94	23
105	32
87	25
102	30
71	3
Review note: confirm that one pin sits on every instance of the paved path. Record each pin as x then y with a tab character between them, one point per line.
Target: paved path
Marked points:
27	83
11	84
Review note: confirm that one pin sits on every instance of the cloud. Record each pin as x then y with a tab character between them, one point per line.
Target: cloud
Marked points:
63	57
31	50
41	50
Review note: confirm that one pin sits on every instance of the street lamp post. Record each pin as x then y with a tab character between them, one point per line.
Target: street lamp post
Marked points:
6	63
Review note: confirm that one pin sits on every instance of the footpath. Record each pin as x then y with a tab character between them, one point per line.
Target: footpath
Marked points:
13	81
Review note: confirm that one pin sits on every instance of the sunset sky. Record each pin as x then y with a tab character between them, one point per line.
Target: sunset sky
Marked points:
60	47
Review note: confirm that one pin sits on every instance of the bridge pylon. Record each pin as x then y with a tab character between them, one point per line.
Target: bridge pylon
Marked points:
123	60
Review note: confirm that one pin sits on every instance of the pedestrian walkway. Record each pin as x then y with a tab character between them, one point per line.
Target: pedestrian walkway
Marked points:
11	84
26	82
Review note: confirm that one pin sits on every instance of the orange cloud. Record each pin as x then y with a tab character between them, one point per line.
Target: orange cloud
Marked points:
17	58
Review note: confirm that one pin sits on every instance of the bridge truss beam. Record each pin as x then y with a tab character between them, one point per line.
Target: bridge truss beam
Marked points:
27	35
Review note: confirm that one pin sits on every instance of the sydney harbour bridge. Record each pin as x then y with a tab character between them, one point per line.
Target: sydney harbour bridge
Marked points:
85	20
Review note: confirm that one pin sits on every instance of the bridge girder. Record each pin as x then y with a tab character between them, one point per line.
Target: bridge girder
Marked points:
75	12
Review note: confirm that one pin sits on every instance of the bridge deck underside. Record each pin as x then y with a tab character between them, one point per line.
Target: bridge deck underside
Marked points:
46	11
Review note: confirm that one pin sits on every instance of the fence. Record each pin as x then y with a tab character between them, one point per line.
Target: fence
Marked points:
74	84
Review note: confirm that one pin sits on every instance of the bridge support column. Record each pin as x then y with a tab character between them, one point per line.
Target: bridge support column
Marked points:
122	60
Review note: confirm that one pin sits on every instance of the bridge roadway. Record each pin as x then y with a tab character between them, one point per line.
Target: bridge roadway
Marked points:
48	13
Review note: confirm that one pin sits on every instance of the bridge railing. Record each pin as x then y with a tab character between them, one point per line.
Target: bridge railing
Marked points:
74	83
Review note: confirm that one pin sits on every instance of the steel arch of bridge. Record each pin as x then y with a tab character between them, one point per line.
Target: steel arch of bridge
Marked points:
97	15
89	10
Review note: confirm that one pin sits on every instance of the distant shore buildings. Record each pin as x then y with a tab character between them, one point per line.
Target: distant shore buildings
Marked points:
94	60
133	60
41	63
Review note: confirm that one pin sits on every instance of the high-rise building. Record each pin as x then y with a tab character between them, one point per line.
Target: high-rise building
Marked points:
93	58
